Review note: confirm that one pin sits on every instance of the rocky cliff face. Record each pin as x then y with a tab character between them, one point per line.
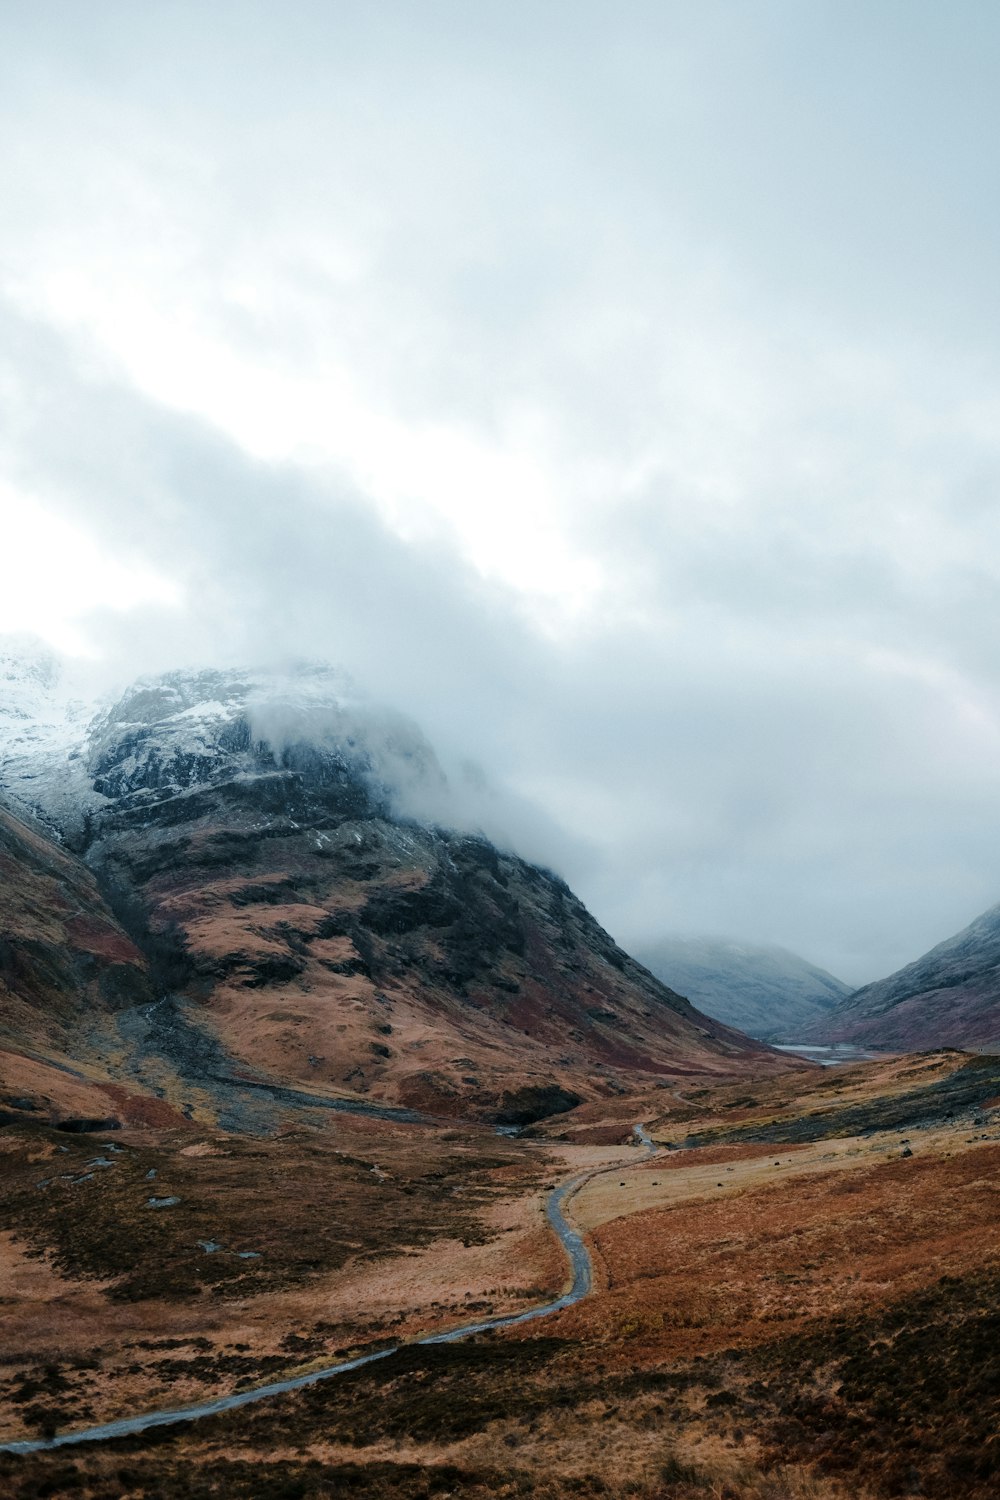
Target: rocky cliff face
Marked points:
769	993
247	834
948	998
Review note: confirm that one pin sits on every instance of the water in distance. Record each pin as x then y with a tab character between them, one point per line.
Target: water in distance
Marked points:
829	1057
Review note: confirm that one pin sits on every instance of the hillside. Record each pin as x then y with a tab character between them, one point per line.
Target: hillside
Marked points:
948	998
62	953
302	930
767	992
66	967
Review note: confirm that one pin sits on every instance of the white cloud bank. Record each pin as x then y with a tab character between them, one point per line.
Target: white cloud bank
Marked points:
616	394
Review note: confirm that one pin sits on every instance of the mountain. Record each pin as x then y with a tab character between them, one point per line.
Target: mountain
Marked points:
948	998
302	928
767	992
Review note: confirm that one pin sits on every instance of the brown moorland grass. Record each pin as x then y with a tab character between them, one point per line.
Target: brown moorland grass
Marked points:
701	1274
821	1330
278	1251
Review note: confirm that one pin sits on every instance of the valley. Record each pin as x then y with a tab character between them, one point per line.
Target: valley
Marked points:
752	1327
342	1152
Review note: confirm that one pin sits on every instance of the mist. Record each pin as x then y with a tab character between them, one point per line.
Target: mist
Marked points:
611	397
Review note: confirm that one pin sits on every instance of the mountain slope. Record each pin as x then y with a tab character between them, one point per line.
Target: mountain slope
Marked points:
767	992
66	967
247	832
948	998
62	953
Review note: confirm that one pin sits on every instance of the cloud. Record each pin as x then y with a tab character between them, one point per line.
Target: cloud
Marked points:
608	394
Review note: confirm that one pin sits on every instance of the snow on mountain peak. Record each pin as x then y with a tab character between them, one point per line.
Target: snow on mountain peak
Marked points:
62	757
43	718
65	756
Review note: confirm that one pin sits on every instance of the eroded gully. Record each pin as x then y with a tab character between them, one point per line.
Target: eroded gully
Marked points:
581	1273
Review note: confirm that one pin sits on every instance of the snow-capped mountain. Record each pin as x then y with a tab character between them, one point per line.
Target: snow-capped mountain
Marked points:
286	857
63	756
169	734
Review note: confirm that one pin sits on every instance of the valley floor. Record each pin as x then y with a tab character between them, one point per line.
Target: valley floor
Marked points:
798	1296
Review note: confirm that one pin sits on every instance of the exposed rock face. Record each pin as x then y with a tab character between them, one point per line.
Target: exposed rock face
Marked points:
948	998
767	992
245	834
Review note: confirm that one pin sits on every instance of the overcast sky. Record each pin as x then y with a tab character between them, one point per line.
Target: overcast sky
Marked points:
614	387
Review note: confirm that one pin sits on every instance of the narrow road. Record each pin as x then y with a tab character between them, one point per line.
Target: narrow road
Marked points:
580	1266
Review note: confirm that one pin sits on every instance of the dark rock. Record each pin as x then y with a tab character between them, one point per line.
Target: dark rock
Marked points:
534	1102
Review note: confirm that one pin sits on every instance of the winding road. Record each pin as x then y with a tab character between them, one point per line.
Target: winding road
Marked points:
580	1265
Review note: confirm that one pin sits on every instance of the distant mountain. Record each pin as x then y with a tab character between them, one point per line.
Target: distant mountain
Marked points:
767	992
948	998
257	839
